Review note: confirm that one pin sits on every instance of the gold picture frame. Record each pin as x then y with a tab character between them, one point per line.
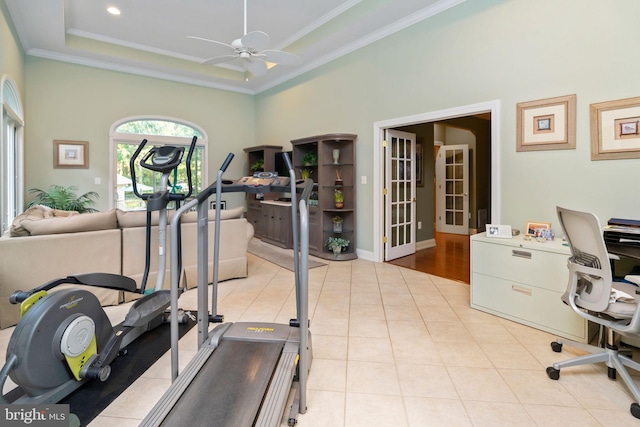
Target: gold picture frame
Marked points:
530	230
70	154
615	129
546	124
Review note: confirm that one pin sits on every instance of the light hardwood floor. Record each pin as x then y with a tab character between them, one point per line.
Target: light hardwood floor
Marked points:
449	258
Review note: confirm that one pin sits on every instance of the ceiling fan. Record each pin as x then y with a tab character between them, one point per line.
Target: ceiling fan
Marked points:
250	52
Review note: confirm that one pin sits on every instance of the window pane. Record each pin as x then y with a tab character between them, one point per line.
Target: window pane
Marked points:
158	127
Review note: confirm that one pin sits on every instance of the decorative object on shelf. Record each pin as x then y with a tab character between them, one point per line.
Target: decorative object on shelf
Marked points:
546	124
337	245
309	159
338	198
336	155
64	198
339	181
337	224
313	198
305	173
615	129
258	166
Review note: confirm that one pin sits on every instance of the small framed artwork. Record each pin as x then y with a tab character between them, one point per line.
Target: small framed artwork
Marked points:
70	154
546	124
615	129
419	168
532	226
500	231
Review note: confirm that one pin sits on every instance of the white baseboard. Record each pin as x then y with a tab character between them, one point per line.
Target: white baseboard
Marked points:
366	255
426	244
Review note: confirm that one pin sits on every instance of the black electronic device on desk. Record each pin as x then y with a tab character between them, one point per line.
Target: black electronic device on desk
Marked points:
622	237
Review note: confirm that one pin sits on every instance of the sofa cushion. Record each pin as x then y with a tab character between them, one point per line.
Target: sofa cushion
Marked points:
224	214
72	224
35	213
128	219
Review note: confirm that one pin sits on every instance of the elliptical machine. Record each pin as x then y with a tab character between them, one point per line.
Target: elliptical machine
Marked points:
65	338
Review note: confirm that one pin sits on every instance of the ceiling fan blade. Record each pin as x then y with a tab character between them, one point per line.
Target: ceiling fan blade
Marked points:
255	40
280	57
219	59
256	67
212	41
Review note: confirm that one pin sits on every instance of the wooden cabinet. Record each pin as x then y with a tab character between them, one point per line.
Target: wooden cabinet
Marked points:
334	170
523	281
267	155
277	223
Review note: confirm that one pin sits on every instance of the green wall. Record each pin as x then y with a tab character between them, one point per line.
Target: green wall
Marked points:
73	102
507	50
11	55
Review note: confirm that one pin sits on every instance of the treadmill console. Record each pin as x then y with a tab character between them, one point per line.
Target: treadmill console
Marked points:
261	182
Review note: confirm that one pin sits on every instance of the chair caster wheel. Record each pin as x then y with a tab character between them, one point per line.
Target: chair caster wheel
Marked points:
553	373
556	346
635	410
611	373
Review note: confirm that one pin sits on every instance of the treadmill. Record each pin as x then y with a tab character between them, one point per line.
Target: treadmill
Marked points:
244	373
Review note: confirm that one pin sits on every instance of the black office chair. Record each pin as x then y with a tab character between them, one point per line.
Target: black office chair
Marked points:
593	294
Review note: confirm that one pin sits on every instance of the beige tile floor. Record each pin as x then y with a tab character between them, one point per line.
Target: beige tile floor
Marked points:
396	347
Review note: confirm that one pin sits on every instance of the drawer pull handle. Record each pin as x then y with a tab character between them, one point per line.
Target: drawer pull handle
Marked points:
521	290
521	254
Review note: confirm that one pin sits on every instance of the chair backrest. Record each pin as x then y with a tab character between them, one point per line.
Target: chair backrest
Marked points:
583	232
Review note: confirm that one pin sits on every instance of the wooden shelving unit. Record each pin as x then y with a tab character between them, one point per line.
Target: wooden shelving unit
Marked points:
322	207
255	214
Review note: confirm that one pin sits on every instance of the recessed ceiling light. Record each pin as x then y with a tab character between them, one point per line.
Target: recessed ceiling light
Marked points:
113	10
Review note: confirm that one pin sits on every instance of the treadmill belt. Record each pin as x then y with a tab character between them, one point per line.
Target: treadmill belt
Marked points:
229	389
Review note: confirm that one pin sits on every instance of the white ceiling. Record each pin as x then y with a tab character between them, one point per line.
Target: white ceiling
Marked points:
150	36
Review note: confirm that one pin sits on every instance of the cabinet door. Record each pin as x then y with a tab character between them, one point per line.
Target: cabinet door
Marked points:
254	217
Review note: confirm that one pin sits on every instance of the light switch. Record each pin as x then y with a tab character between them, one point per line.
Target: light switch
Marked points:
363	179
98	181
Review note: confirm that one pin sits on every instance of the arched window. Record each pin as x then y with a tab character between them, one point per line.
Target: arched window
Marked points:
11	154
125	137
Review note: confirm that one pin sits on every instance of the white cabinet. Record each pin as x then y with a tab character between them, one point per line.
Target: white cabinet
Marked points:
523	281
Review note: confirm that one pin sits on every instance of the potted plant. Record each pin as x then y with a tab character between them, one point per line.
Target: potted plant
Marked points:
305	173
338	198
337	245
64	198
258	166
309	159
337	224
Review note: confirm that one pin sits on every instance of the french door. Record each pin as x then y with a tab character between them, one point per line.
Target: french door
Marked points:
452	189
400	189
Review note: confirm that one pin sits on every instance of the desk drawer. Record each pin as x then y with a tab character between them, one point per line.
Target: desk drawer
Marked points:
546	270
536	307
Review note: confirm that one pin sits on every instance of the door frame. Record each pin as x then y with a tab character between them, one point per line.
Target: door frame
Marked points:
379	128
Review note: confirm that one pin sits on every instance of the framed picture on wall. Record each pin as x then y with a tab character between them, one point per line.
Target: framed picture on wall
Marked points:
615	129
546	124
70	154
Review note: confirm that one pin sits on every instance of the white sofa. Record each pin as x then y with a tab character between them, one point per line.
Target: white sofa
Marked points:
42	246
